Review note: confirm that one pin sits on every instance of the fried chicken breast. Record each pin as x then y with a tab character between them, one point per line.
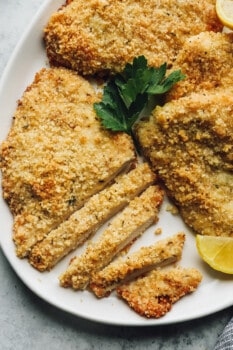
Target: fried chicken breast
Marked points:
153	295
207	61
189	143
102	36
56	155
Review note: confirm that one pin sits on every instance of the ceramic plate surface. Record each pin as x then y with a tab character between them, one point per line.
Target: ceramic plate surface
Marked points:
214	293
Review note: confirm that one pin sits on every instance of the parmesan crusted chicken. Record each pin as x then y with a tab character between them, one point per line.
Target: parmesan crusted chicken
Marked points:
207	61
102	36
86	221
189	143
141	212
153	295
121	270
57	155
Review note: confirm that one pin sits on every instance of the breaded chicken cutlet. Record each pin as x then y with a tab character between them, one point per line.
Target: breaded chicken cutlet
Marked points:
189	143
57	155
153	295
129	224
100	37
122	270
207	61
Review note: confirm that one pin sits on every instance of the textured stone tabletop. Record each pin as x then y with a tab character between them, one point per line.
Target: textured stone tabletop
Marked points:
27	322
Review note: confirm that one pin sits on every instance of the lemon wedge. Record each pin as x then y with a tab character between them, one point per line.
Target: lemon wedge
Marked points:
216	252
224	9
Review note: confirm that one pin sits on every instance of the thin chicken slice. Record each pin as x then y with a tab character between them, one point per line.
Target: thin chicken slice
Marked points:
121	270
125	227
152	296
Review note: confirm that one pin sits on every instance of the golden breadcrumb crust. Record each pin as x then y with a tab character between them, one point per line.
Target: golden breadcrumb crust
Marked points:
56	154
152	296
189	142
102	36
163	252
207	61
141	212
84	222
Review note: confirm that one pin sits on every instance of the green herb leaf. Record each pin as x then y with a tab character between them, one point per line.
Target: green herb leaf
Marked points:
125	97
163	84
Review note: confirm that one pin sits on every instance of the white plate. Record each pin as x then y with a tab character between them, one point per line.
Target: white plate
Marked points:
215	291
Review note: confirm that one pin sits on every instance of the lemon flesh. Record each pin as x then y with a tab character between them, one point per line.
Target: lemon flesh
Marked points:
216	252
224	9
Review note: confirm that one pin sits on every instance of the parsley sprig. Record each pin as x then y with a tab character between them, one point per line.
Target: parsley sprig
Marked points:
129	92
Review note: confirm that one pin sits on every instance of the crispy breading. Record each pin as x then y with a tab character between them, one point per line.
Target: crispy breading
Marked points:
189	142
163	252
84	222
152	296
56	154
141	212
207	61
102	36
